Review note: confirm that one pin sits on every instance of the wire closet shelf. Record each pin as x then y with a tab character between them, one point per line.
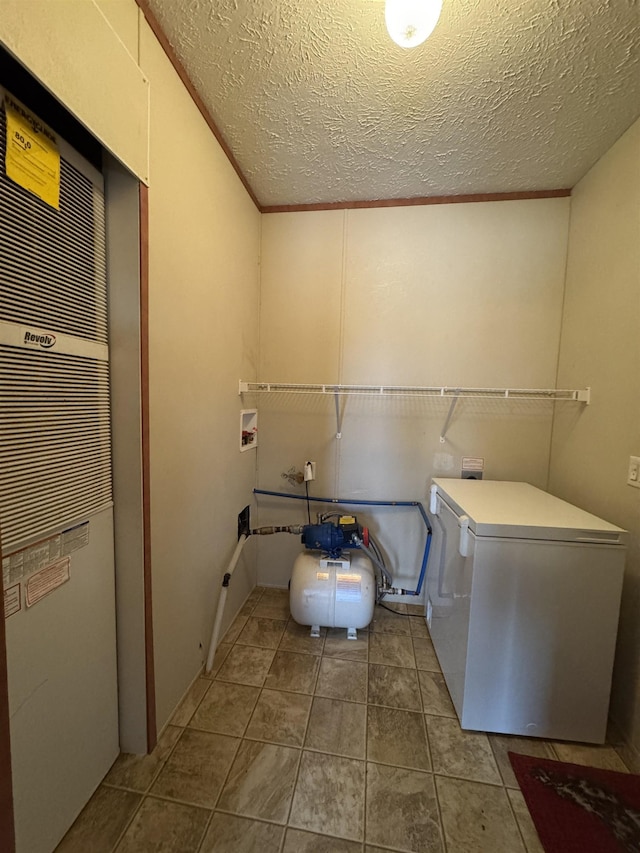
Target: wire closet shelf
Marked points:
581	395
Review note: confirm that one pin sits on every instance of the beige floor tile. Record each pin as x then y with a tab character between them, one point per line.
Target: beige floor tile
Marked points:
342	679
393	623
329	796
247	608
402	810
338	646
255	595
231	834
260	782
197	768
246	665
101	822
503	744
265	633
272	608
425	654
418	627
461	753
395	606
280	718
525	823
274	595
219	658
294	672
394	687
391	650
435	696
604	757
192	699
139	771
226	709
337	727
163	827
477	818
297	638
416	610
299	841
397	737
629	757
234	629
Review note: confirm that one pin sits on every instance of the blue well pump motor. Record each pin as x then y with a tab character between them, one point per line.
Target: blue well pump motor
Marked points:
332	538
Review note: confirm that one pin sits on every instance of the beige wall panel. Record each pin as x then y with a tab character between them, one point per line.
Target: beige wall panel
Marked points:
301	272
73	50
293	429
301	292
203	303
123	17
601	348
460	294
452	294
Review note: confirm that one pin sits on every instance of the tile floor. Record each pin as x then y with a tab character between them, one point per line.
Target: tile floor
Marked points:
301	745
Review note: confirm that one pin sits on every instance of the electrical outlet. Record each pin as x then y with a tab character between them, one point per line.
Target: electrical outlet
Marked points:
633	474
309	470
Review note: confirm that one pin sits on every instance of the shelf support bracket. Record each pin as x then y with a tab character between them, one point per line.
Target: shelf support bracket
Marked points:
339	414
452	407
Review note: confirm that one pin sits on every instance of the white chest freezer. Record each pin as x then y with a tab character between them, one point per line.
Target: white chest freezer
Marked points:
522	603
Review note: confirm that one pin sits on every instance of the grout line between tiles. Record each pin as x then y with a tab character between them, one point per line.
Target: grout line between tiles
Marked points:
517	822
167	799
128	824
441	775
304	738
144	797
443	834
247	817
204	834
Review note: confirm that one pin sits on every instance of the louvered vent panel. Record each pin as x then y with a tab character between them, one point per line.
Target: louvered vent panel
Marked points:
63	286
55	441
55	435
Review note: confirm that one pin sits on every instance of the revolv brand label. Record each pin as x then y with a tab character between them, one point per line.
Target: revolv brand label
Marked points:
45	340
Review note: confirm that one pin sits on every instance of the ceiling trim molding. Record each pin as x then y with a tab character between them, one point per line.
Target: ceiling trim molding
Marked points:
419	200
154	24
191	89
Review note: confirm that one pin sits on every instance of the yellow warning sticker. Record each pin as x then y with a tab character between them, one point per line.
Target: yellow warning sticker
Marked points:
32	158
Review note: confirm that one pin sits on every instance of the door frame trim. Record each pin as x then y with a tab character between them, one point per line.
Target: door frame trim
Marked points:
152	731
7	825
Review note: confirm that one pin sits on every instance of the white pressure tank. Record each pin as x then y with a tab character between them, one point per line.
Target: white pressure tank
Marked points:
336	592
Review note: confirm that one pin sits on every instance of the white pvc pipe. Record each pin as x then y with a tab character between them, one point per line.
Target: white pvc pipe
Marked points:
221	601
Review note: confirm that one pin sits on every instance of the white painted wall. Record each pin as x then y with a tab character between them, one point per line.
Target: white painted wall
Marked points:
465	294
203	321
601	347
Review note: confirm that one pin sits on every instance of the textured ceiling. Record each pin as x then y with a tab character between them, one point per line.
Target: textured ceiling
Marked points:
318	105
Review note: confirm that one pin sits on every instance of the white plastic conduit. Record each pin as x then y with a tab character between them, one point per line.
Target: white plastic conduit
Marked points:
222	600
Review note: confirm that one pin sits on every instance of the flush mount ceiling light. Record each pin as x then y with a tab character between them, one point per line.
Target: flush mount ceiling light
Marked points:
410	22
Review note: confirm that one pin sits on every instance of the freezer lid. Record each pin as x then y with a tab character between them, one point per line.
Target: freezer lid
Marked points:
506	509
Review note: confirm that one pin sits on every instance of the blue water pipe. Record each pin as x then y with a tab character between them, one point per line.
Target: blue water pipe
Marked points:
350	502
